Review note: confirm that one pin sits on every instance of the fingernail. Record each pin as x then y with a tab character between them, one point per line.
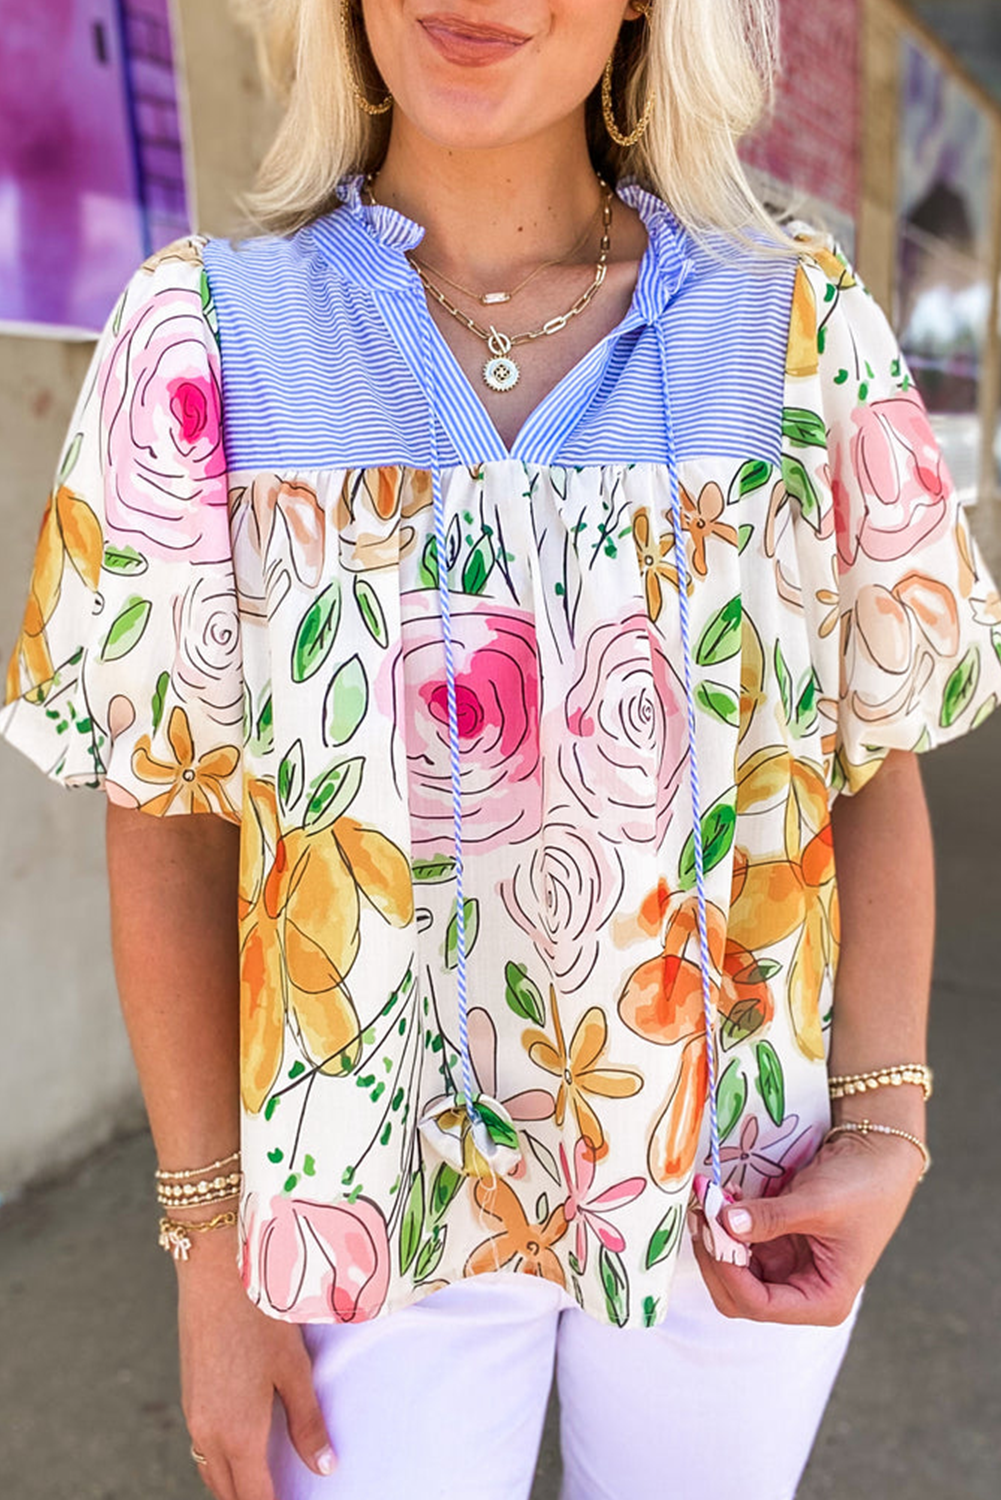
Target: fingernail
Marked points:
738	1220
325	1461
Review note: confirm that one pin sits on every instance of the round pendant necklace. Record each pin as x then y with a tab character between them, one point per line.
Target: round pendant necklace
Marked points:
501	372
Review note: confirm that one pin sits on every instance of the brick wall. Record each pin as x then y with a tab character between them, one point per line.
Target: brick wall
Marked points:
813	142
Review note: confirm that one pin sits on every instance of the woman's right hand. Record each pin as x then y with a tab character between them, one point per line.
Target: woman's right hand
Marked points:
233	1359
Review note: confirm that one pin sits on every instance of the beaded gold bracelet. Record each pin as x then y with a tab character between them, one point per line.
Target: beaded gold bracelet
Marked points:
205	1190
175	1237
843	1085
864	1127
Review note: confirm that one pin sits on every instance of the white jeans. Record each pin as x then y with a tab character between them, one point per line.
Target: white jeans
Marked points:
445	1400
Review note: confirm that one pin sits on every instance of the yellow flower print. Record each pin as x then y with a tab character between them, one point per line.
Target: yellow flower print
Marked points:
577	1070
197	782
300	913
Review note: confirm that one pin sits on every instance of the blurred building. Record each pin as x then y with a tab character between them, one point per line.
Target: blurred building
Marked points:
125	121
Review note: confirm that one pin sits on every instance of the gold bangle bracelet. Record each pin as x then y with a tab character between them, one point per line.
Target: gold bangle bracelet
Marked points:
172	1204
184	1190
185	1174
175	1237
844	1085
865	1127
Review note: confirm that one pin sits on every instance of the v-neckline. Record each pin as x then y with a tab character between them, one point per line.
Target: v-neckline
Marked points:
384	235
580	380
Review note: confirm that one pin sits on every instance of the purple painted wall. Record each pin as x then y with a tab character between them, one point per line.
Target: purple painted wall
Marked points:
90	163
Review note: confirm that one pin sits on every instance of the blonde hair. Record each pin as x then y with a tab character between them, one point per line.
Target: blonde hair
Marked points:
710	63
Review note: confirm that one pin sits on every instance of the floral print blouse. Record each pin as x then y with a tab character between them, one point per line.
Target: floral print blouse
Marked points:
234	610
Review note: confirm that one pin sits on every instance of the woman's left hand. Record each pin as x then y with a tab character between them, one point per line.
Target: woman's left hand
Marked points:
814	1244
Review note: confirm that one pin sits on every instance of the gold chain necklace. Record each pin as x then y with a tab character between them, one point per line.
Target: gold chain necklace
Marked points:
501	372
487	299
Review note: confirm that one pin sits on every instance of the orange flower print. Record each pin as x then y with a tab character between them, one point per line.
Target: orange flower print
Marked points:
529	1246
373	515
196	782
300	911
792	891
662	998
701	519
70	531
577	1069
653	569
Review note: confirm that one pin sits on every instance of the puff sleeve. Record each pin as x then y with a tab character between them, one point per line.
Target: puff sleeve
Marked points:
127	672
905	615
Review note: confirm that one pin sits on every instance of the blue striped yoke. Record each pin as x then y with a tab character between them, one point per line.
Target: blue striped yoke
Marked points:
331	359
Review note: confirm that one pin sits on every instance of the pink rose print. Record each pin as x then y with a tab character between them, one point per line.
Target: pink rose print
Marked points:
161	421
318	1260
590	1213
497	700
902	480
564	895
622	742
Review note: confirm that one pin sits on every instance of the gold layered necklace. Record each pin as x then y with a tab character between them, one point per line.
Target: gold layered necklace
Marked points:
501	372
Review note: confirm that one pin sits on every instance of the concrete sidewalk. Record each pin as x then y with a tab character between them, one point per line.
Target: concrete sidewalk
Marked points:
88	1375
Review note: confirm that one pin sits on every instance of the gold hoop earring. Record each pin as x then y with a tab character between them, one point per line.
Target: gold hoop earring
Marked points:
356	84
609	115
607	110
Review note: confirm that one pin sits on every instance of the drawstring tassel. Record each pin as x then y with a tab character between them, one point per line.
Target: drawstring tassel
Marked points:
471	1131
710	1198
480	1144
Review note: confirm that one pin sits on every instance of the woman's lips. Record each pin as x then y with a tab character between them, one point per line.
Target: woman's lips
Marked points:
468	44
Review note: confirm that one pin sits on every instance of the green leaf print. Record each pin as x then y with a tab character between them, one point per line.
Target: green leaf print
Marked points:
477	567
744	534
471	923
731	1096
444	1186
291	776
718	700
208	306
334	794
960	687
996	641
431	1253
805	428
665	1236
346	702
315	635
649	1311
159	699
523	995
784	677
371	610
412	1223
434	871
771	1081
751	476
718	825
807	711
69	459
126	629
264	738
721	638
428	568
125	561
616	1285
801	487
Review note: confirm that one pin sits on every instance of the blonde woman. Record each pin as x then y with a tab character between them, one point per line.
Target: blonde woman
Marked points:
533	567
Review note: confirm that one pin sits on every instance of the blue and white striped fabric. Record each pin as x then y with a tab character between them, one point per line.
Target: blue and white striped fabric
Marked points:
323	355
